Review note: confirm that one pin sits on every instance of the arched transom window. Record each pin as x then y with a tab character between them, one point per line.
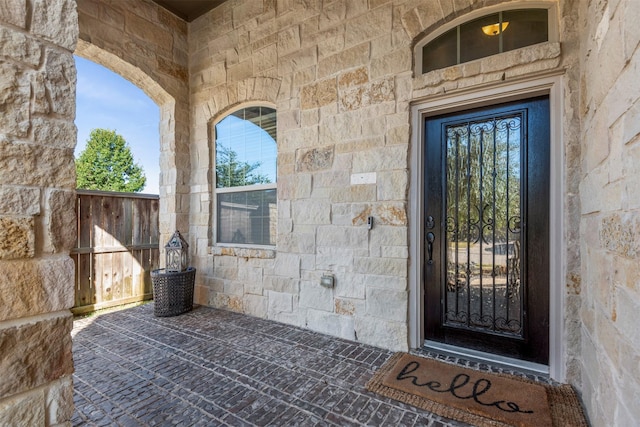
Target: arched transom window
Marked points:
245	162
488	35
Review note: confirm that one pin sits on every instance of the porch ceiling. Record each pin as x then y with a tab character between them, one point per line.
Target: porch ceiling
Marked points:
189	9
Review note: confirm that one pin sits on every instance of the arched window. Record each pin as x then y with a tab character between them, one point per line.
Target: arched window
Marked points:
488	35
245	161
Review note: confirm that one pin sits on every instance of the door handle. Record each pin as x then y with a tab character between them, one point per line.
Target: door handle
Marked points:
430	239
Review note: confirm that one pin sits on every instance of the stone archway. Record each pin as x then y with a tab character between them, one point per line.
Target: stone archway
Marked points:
147	45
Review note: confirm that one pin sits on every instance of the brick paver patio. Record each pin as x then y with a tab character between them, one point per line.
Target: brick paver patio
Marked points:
212	367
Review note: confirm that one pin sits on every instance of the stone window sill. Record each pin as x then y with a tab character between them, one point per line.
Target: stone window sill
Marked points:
242	252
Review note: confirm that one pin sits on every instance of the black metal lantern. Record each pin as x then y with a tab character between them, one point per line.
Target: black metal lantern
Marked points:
177	253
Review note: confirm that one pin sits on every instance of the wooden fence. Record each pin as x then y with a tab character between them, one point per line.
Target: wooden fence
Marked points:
116	249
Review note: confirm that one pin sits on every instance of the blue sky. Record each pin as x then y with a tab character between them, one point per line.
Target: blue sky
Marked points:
106	100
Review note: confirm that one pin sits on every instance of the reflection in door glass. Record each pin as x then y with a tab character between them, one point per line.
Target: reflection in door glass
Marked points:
483	208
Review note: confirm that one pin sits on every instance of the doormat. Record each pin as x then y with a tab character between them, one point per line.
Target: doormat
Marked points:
474	397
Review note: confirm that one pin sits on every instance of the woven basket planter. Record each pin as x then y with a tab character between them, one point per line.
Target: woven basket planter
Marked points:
173	292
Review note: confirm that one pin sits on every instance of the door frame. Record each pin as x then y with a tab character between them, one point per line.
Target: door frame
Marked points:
548	84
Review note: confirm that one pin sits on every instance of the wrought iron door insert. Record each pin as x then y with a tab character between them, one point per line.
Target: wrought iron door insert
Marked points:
481	166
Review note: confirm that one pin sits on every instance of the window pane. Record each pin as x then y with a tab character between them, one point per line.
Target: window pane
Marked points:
526	27
474	43
246	149
247	217
441	52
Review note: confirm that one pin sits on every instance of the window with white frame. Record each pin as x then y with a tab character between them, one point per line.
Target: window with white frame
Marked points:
245	162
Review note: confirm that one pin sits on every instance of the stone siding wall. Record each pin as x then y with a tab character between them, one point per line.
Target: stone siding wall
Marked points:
37	220
340	75
610	223
147	45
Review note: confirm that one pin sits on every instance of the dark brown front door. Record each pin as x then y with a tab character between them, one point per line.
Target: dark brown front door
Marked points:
486	229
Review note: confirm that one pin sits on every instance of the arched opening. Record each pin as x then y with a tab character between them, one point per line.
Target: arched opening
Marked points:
106	100
118	241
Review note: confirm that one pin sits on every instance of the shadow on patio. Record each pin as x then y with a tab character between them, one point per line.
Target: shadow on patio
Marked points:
213	367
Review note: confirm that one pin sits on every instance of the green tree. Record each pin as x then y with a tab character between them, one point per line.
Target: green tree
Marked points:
232	173
107	164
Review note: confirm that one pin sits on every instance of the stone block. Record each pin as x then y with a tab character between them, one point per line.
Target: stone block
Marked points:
394	63
40	103
332	257
297	138
387	304
349	306
398	135
382	333
362	144
381	266
114	17
368	26
61	220
281	284
255	305
298	60
343	237
299	243
349	58
380	281
621	234
19	201
394	252
14	12
352	78
627	306
350	285
15	91
381	159
330	42
341	127
311	212
313	295
289	40
18	46
17	237
27	409
411	23
280	302
314	159
318	94
332	14
35	353
172	68
33	287
228	302
246	11
60	82
251	277
393	185
375	92
353	193
56	21
59	401
331	323
145	30
287	265
389	213
233	288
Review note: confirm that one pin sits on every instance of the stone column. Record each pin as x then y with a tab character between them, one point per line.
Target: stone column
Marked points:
37	219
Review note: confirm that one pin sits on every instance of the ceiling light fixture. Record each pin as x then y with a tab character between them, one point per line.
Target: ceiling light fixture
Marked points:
495	29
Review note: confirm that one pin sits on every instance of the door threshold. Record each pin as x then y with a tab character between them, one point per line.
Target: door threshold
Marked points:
508	363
